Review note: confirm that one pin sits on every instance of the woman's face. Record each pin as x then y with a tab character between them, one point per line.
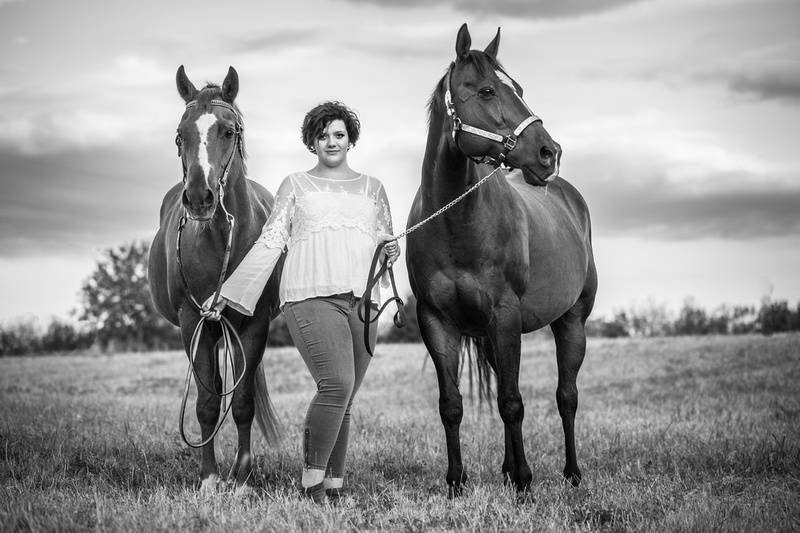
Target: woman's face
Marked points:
332	144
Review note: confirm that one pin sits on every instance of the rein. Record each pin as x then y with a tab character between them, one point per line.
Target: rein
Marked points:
229	334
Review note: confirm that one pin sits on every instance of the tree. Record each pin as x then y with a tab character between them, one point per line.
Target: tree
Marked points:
691	320
116	299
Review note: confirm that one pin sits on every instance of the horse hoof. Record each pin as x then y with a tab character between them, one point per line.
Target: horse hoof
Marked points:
525	497
454	491
209	484
574	478
243	491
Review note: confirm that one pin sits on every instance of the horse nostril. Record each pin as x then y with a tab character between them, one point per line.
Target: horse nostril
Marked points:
546	156
209	197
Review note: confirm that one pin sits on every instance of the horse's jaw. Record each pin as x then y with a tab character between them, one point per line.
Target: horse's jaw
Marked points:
202	213
533	178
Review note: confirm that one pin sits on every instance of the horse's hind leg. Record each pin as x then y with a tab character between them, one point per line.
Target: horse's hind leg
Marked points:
443	343
570	338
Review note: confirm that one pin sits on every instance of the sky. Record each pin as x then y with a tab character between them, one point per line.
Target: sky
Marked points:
679	122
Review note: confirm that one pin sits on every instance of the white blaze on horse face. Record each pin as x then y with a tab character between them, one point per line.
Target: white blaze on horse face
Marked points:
508	81
204	124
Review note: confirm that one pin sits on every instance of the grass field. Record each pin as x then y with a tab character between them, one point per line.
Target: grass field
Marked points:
674	434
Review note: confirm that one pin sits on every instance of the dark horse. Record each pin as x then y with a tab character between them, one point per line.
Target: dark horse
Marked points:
215	215
512	256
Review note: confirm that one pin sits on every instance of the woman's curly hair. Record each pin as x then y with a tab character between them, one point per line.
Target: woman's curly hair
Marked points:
322	115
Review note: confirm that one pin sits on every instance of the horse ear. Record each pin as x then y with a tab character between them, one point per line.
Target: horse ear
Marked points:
186	88
230	87
494	45
463	42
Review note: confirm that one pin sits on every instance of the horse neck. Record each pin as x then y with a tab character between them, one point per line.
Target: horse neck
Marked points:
447	173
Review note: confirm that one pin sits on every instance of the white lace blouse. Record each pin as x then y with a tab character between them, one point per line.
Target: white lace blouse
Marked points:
330	229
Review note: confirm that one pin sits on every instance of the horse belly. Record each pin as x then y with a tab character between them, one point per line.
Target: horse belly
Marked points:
553	290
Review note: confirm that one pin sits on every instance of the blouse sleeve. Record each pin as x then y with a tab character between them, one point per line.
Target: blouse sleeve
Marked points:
384	223
244	287
384	213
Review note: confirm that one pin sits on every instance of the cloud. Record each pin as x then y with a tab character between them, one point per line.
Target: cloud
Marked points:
634	199
532	9
80	201
781	85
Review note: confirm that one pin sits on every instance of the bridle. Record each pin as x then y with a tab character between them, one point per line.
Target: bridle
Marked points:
509	141
238	140
238	145
229	333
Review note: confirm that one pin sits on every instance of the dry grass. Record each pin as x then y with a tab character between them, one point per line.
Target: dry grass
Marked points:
678	434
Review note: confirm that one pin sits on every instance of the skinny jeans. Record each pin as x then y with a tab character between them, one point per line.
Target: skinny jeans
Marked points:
330	338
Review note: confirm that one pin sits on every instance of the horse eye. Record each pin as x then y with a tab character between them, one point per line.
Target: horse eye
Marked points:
229	134
486	92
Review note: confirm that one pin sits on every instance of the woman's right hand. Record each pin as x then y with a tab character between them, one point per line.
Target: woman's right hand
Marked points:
213	313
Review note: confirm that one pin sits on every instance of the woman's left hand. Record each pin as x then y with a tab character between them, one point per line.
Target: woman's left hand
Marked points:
391	249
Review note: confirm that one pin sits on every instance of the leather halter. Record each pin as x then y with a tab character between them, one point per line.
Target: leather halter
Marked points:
509	141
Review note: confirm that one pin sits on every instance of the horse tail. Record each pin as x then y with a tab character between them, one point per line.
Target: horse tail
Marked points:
475	358
266	416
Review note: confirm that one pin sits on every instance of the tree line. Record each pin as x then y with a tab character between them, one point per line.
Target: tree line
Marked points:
116	313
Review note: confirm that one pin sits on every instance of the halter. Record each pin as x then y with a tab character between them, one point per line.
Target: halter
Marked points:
509	141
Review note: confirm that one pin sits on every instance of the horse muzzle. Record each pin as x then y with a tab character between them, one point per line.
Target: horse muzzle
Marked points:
545	166
200	206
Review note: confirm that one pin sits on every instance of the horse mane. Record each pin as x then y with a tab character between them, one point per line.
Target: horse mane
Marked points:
480	60
212	91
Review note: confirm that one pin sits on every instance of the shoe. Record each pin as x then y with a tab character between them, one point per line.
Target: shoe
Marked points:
335	495
316	493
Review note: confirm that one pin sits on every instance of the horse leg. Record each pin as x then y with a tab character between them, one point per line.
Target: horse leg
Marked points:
207	407
505	335
508	459
443	343
243	407
570	337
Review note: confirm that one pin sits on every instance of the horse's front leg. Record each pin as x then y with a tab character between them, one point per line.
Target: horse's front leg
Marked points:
505	337
570	338
508	459
207	376
244	403
443	342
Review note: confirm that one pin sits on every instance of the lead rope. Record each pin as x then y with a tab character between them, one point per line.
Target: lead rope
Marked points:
365	303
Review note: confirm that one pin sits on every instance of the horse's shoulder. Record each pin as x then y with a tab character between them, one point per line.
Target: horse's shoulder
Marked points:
171	201
264	196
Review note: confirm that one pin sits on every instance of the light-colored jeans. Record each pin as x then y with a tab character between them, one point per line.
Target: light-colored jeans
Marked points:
330	338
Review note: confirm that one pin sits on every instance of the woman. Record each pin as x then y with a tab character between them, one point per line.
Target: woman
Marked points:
330	219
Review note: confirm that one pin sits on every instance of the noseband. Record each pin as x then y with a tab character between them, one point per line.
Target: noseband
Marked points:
509	141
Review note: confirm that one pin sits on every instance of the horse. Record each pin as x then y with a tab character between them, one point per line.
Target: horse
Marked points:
215	214
511	256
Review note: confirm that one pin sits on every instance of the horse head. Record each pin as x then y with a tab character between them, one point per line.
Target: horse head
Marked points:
210	142
489	118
